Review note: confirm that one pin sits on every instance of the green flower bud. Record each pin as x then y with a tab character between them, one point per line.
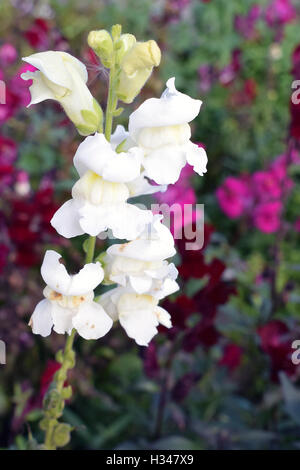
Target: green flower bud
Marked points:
61	435
92	120
123	45
102	44
136	67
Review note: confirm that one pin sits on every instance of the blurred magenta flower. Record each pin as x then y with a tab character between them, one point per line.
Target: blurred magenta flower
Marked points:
20	87
280	12
8	54
267	216
228	74
245	24
234	196
8	154
207	75
266	185
180	194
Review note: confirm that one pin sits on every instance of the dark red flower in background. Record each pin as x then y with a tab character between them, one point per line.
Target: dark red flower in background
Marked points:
276	340
184	385
151	365
37	35
29	225
232	356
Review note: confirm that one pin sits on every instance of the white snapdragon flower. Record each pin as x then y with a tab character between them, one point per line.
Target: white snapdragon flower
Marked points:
160	127
63	78
69	301
99	197
138	314
141	263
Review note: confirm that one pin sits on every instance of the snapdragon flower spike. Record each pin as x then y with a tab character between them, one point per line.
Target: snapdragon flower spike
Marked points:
141	264
99	197
62	77
160	128
138	314
69	301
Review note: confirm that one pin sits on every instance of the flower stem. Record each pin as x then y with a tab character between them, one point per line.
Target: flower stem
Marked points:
112	100
58	434
90	249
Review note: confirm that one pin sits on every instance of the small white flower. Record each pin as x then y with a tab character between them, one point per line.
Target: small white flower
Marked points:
69	301
139	314
160	127
99	198
141	263
63	78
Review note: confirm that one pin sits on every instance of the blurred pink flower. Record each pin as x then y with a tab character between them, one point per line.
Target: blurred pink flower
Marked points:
8	150
20	87
279	12
230	71
266	185
178	195
207	75
245	25
267	216
234	196
8	153
8	54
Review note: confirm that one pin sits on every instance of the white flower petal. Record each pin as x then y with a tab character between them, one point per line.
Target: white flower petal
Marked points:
141	186
154	243
140	284
95	219
38	90
51	64
56	276
165	164
91	321
41	320
163	317
95	153
66	220
88	278
196	156
129	222
92	154
124	167
62	319
136	315
54	273
168	287
171	108
118	136
108	300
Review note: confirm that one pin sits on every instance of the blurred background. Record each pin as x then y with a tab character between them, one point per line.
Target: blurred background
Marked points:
223	377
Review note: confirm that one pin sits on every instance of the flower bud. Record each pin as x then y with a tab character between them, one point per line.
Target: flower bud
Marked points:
102	44
62	77
136	67
61	435
123	45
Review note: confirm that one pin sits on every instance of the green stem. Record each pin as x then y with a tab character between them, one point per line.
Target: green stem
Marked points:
90	250
55	399
112	102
